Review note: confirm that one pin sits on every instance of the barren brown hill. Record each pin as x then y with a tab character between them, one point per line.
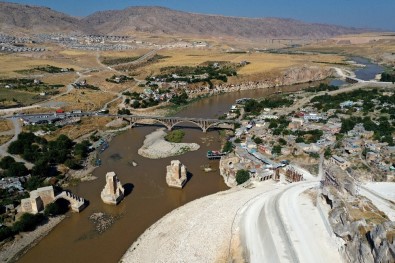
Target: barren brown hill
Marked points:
159	20
16	18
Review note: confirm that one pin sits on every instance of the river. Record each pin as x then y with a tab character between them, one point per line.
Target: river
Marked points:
368	72
76	239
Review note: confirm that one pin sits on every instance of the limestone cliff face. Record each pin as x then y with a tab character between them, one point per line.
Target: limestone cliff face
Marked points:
291	76
366	239
303	74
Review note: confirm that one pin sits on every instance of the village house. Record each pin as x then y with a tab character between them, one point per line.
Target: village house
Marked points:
340	161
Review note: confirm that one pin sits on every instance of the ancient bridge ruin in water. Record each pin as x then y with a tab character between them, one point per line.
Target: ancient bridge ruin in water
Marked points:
43	196
171	122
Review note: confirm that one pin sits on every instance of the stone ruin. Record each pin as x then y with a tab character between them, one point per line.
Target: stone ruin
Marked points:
43	196
38	199
176	175
113	192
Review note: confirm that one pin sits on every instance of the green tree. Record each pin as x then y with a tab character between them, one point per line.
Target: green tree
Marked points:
281	141
6	162
41	168
242	176
276	149
33	183
5	232
72	164
327	153
258	140
228	147
16	170
175	136
27	222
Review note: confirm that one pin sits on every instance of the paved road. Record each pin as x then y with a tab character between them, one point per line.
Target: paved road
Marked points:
276	227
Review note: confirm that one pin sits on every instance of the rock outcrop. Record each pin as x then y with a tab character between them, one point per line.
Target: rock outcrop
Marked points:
176	175
290	76
113	192
367	234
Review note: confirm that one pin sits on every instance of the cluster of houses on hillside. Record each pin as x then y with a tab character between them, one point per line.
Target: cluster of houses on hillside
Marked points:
354	147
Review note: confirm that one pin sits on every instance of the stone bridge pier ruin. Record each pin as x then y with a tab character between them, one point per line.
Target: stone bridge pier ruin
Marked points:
43	196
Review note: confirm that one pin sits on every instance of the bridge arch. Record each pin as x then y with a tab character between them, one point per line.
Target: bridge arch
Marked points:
187	121
139	121
211	125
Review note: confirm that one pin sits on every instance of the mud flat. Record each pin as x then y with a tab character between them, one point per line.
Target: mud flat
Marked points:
156	147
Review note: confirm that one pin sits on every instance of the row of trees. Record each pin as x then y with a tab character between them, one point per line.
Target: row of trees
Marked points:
388	77
45	154
28	222
382	130
327	102
255	107
12	168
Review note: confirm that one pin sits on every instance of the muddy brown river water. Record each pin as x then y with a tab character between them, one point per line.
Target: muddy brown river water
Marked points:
76	239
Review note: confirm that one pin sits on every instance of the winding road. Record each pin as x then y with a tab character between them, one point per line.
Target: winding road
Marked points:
276	227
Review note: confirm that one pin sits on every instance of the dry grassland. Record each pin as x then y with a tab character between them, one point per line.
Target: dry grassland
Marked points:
5	138
378	48
87	125
99	79
5	125
9	63
125	53
25	97
84	99
260	62
84	59
63	79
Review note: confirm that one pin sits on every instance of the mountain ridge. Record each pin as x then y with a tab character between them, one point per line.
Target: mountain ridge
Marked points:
157	20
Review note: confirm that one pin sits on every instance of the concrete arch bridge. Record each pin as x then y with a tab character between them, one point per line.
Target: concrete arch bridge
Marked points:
171	122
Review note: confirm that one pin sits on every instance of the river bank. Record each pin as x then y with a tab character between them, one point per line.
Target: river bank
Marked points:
156	147
13	250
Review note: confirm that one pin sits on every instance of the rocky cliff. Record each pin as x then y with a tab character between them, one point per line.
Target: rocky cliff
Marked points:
367	233
291	76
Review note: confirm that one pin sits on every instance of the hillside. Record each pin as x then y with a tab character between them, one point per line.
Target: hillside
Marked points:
17	18
159	21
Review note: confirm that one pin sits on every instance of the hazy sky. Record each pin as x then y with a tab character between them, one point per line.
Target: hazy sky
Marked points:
357	13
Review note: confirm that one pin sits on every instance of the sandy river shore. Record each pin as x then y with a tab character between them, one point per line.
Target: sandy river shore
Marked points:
156	147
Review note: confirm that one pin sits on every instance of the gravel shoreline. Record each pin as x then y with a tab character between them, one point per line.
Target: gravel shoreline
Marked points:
156	147
11	251
204	230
